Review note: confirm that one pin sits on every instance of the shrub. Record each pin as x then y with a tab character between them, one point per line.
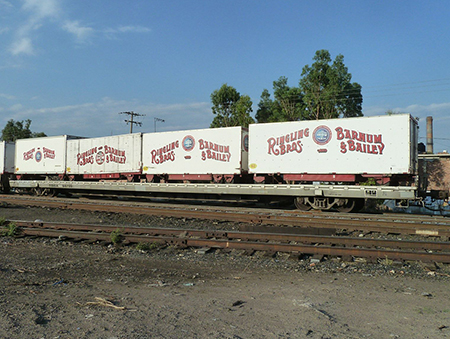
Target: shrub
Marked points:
116	237
10	230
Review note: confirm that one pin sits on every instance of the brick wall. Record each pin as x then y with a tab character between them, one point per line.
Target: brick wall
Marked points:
438	170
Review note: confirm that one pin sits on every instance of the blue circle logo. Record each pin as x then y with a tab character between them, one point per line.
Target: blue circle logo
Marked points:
188	143
38	156
322	135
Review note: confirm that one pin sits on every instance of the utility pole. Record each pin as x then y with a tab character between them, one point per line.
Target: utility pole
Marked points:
131	121
158	119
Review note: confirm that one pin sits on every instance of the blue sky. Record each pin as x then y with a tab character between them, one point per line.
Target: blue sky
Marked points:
72	66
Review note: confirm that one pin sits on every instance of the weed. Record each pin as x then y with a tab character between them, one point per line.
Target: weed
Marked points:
2	221
116	237
10	230
146	246
386	261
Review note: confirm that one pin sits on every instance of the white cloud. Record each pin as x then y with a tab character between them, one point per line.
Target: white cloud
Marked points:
102	118
133	29
22	46
16	107
7	96
439	112
111	33
4	3
42	8
82	33
44	12
39	11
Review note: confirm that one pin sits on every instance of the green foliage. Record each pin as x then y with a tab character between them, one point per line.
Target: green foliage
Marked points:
145	246
391	112
325	91
19	130
287	106
2	221
10	229
230	108
328	92
265	107
369	182
116	236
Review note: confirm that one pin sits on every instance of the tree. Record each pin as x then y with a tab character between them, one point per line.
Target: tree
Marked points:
19	130
287	105
230	108
327	89
266	108
391	112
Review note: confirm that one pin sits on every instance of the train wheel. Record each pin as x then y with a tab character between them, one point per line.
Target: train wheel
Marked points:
42	192
301	204
348	206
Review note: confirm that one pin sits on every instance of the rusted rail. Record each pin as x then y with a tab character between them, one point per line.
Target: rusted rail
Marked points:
426	251
420	225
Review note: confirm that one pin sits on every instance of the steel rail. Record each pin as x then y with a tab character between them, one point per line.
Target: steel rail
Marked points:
230	235
306	244
350	224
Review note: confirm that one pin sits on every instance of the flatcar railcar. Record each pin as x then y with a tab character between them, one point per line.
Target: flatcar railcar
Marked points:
324	164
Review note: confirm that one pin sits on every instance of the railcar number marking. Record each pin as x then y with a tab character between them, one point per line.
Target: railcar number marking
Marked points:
370	193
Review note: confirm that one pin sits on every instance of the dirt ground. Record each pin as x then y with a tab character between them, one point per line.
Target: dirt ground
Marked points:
60	289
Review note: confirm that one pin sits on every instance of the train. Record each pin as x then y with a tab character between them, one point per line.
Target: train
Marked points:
332	164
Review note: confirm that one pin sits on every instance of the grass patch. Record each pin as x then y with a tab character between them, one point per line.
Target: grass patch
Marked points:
10	230
386	261
116	237
147	246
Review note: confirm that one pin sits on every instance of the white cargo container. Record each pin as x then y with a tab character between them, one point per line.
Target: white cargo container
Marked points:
220	151
41	156
6	157
366	145
105	155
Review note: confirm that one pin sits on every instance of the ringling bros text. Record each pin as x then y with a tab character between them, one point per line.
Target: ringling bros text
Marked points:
352	141
100	155
33	154
209	151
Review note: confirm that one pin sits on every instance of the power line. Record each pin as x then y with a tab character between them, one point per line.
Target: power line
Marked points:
131	121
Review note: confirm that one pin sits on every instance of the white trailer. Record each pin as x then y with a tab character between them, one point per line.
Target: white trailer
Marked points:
382	145
6	164
196	154
102	157
41	156
6	157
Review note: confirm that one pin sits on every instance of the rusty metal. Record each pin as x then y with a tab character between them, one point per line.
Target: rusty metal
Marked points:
430	135
421	225
248	236
306	244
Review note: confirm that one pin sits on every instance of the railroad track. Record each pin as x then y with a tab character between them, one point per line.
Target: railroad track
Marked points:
258	220
309	245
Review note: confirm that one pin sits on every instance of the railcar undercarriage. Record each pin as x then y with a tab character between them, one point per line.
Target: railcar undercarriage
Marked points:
343	198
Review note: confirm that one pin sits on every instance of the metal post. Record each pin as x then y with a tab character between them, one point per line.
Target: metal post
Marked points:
158	119
131	121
